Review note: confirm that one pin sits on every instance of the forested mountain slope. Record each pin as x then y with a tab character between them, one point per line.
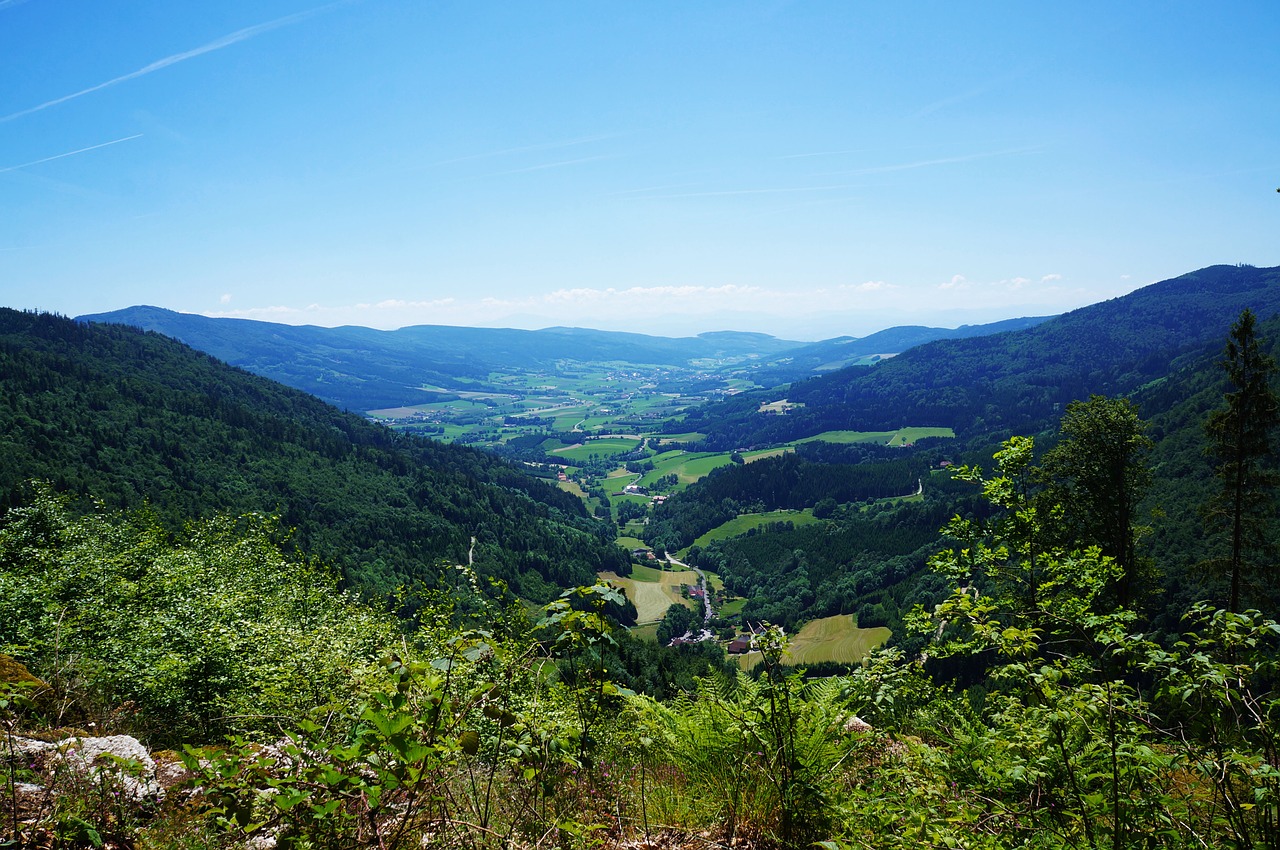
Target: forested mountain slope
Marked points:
831	354
1183	480
871	560
135	418
1016	381
363	369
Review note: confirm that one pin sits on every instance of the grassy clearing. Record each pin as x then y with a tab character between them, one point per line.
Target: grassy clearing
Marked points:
565	418
671	583
761	454
686	466
648	631
604	448
829	639
689	437
572	487
743	523
864	360
882	437
906	436
901	437
689	467
653	598
640	572
630	542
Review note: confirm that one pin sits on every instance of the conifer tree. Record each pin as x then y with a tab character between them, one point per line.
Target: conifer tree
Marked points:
1240	435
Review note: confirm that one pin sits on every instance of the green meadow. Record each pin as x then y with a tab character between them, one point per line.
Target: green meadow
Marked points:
900	437
603	447
743	523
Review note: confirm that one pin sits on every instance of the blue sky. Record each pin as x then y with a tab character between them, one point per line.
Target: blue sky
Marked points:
804	169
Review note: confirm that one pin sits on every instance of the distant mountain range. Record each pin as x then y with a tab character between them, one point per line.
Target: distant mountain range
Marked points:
832	354
1017	381
363	369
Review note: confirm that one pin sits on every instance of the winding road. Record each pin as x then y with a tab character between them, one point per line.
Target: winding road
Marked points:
707	611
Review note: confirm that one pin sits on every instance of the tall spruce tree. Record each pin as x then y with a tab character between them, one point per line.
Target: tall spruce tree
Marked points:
1240	435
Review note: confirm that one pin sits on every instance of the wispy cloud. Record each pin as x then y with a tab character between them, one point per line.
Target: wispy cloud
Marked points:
823	308
544	146
544	166
71	153
160	64
9	4
927	163
778	191
647	189
591	295
930	108
820	153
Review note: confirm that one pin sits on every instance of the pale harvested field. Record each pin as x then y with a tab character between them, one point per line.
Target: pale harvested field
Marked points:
829	639
652	598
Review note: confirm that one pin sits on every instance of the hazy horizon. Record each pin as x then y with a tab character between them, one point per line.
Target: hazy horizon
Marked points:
540	327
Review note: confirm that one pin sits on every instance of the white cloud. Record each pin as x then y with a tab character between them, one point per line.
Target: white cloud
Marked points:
869	286
812	311
225	299
401	304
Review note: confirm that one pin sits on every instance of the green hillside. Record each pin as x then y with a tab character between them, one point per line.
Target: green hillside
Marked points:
134	418
1015	381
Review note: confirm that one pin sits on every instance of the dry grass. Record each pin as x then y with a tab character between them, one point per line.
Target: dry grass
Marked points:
653	598
829	639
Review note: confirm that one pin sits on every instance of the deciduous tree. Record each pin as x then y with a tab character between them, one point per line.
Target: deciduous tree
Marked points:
1096	476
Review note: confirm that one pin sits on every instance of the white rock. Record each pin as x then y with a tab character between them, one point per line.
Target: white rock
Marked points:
85	755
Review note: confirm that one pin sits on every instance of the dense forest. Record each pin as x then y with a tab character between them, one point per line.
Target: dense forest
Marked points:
134	418
1011	382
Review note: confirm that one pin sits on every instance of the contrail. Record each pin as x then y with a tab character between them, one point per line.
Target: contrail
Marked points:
71	153
547	165
907	166
160	64
788	190
541	147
